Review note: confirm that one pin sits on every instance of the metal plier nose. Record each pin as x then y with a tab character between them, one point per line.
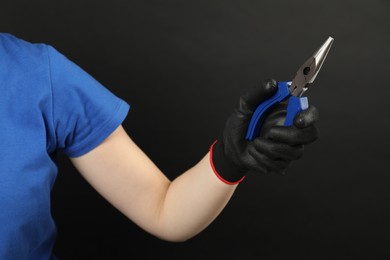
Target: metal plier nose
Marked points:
293	90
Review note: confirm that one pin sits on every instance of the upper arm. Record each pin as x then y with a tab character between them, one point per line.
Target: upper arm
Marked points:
125	176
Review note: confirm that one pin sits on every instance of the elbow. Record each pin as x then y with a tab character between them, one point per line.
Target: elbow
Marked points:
175	237
174	240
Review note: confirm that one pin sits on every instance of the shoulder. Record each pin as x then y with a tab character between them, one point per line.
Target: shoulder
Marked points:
10	40
20	50
23	61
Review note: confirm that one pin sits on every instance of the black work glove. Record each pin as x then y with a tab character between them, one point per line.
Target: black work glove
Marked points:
232	156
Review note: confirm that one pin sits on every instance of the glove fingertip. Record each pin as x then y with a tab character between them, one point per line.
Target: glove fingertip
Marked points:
270	85
306	117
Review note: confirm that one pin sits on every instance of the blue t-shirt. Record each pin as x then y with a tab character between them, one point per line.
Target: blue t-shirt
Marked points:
47	104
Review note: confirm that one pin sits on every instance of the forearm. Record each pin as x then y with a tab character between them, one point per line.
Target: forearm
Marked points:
131	182
192	201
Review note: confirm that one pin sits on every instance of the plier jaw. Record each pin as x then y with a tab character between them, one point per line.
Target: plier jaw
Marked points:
309	70
291	90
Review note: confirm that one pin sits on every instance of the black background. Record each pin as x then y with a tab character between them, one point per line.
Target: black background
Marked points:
182	66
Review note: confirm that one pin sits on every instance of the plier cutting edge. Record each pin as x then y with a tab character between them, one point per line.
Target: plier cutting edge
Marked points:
292	90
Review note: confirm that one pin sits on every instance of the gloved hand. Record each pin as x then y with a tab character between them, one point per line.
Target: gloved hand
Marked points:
232	156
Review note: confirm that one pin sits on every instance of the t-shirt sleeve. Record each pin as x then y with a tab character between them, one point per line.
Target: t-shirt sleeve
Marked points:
84	111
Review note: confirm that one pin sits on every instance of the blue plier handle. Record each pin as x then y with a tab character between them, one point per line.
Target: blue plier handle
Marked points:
292	90
295	105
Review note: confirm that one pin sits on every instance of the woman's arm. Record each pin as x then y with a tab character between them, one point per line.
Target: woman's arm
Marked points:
129	180
180	209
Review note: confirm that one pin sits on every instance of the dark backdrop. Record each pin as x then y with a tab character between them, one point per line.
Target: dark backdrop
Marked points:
182	66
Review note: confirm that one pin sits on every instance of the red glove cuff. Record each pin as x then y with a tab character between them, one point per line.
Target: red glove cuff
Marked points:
215	170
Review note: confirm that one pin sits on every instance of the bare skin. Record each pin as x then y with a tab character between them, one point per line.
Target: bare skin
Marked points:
174	211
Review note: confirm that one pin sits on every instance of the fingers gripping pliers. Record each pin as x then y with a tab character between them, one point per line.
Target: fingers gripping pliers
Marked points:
293	90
